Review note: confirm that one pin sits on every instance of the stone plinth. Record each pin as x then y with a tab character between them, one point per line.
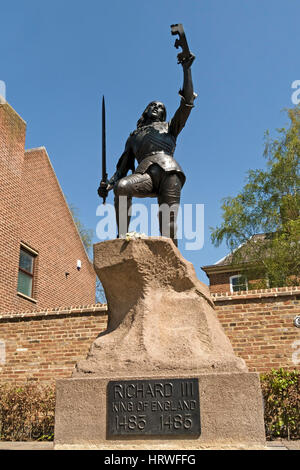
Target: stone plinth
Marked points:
230	414
162	325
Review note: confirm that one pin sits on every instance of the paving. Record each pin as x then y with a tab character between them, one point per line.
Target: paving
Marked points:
31	445
34	445
284	445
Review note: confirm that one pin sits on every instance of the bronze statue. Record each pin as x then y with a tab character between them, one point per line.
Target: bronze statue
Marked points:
152	144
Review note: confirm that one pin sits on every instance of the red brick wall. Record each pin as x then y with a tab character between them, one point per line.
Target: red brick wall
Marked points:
48	227
45	345
33	210
260	326
12	141
219	282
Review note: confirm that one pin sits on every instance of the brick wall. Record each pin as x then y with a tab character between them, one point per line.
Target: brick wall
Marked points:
12	141
219	282
45	345
259	324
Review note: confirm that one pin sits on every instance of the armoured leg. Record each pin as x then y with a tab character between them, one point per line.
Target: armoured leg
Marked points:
169	200
135	185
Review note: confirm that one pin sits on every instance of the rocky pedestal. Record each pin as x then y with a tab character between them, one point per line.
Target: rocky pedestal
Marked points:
162	328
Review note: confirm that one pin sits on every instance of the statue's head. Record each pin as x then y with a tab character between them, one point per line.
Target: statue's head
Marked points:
155	111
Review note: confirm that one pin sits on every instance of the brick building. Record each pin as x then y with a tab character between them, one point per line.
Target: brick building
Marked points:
258	322
223	277
40	247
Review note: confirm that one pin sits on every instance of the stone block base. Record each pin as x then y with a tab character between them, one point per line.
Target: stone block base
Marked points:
231	415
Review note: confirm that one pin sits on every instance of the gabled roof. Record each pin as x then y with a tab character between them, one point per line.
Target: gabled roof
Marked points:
225	263
42	152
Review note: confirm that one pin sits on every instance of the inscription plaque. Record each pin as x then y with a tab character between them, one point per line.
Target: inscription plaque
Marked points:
153	407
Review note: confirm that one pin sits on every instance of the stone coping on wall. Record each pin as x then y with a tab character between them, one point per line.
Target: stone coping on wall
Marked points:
57	311
256	294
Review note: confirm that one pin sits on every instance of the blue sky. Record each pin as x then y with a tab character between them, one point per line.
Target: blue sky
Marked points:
59	57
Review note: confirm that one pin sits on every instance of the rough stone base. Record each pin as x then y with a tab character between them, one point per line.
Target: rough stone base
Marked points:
161	318
230	412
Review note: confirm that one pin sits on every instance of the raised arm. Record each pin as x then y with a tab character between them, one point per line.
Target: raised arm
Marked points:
188	96
187	89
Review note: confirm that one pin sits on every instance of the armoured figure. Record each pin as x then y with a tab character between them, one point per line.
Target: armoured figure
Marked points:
152	144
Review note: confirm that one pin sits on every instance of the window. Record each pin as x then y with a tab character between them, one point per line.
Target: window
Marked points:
238	283
26	272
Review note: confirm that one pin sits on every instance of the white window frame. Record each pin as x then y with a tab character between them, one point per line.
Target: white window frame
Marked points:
235	277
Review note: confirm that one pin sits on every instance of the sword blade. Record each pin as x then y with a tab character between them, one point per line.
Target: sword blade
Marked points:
104	174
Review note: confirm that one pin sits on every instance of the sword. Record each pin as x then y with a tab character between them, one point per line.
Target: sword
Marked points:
103	183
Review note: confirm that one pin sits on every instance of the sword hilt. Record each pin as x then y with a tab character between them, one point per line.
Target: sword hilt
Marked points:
103	186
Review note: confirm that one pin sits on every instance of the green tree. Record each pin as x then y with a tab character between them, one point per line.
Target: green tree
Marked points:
268	204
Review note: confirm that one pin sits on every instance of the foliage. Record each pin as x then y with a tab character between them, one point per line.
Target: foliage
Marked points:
281	392
86	234
27	412
268	204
